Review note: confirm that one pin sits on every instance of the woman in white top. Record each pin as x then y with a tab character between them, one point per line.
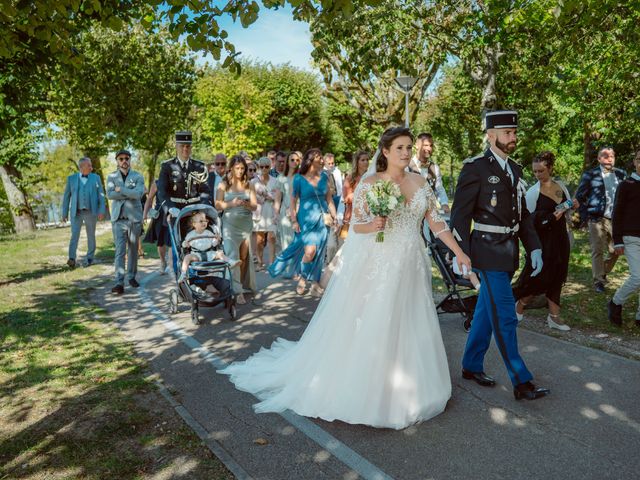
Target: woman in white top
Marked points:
263	225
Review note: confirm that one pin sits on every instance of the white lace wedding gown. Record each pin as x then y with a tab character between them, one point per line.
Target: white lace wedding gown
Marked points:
372	353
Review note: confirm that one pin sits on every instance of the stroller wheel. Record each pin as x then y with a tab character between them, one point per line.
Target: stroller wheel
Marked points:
173	301
232	310
195	318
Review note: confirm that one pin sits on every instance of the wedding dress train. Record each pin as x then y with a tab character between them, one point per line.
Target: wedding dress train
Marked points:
373	352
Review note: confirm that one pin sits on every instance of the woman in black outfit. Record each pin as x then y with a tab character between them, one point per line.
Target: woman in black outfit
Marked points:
549	201
156	232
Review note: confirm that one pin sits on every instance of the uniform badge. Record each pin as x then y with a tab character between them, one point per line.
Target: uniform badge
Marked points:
493	179
494	199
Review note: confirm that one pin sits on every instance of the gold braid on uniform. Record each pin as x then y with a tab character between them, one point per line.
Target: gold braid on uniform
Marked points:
198	177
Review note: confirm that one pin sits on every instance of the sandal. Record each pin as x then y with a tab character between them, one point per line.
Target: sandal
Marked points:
316	290
302	285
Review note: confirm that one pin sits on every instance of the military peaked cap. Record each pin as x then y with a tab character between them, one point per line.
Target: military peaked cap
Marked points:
183	136
500	119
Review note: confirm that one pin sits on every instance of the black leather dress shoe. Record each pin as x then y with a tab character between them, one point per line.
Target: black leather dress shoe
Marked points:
480	378
134	283
529	391
615	313
599	287
118	290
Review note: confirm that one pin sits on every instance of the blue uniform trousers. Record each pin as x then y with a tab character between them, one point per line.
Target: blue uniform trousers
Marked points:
495	313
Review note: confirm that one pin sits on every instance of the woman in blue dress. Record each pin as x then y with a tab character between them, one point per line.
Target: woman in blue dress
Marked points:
311	204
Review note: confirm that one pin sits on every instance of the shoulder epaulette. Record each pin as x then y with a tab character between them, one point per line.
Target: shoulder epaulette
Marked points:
473	159
170	160
517	164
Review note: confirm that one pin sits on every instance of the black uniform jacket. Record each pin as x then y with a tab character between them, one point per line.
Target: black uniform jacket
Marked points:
486	194
173	182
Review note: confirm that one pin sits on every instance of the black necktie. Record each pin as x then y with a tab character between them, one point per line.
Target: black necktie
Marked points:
506	171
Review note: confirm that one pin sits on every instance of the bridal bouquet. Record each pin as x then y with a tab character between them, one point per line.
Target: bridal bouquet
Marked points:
383	198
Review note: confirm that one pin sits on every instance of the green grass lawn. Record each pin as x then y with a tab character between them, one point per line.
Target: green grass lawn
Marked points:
75	401
581	306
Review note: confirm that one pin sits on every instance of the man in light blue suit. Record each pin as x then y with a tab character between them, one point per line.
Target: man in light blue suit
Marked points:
83	202
125	188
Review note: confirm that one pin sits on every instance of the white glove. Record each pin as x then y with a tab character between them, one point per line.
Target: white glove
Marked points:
536	262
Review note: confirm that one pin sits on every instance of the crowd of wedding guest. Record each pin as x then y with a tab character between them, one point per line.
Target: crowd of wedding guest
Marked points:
288	213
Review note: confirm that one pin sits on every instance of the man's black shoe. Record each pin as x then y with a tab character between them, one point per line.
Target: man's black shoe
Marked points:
598	287
638	323
615	313
480	378
529	391
71	263
134	283
118	290
90	262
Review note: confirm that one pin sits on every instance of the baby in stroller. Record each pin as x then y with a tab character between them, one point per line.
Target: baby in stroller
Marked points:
203	244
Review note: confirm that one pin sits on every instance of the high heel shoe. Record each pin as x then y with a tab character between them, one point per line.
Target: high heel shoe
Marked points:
558	326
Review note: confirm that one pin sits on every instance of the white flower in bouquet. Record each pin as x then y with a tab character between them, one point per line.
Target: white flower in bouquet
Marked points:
383	198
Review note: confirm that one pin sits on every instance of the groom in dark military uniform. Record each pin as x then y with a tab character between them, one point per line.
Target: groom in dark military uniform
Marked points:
491	193
183	180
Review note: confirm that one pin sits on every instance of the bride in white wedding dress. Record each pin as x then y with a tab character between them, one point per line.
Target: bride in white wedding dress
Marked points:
372	353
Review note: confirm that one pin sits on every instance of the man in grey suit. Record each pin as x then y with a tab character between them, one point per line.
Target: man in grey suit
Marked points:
125	188
83	202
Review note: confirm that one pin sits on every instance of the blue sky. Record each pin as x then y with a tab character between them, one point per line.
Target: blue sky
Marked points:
275	37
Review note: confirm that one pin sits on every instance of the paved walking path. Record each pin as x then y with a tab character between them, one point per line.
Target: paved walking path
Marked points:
589	428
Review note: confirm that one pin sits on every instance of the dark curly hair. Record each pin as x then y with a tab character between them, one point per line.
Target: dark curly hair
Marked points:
546	157
387	138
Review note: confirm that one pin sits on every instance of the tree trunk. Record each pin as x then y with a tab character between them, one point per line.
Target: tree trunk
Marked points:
484	71
589	152
489	96
20	210
151	169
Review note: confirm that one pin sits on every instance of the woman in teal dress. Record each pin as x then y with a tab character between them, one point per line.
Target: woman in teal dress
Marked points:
237	198
310	201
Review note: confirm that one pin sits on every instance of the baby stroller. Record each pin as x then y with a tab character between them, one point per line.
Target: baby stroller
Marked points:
458	287
206	284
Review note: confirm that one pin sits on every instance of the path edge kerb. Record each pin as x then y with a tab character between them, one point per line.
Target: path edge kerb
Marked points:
210	442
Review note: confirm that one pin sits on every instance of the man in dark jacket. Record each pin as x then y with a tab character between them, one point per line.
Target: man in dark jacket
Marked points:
491	194
596	193
182	181
626	236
